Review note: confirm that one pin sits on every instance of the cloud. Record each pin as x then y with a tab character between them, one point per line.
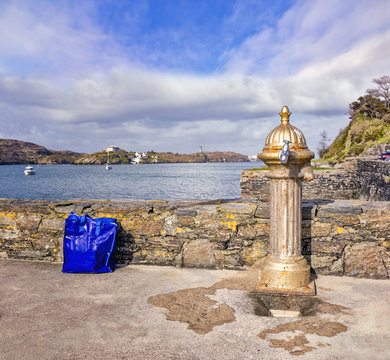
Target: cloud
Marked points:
67	81
309	32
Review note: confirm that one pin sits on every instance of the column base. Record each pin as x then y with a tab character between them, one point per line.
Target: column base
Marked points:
286	276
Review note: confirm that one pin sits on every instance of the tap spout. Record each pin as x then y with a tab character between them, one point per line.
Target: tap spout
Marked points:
284	154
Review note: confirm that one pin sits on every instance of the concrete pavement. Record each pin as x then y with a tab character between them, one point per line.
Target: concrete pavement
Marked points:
150	312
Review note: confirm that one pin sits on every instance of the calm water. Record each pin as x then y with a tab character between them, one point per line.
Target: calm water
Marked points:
131	182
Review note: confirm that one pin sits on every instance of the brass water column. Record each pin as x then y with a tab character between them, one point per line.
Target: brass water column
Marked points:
288	159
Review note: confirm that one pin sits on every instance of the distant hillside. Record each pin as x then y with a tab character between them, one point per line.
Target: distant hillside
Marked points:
368	132
215	156
100	158
123	157
21	152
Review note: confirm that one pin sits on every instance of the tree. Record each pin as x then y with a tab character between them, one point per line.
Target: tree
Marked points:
382	90
323	144
368	105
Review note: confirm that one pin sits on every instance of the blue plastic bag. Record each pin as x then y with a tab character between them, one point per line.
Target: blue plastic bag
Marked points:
88	244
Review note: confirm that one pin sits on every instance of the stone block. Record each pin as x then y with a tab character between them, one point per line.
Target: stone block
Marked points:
207	209
258	250
168	242
263	211
156	256
80	209
185	221
139	226
321	229
214	228
10	233
327	247
183	212
337	267
368	259
377	219
170	225
28	221
228	259
337	208
66	209
35	254
246	231
342	213
7	219
319	262
247	209
52	223
262	228
199	253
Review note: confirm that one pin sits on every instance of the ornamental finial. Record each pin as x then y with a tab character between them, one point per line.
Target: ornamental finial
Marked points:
285	115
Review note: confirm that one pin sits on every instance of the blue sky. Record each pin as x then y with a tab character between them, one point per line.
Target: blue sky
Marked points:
171	75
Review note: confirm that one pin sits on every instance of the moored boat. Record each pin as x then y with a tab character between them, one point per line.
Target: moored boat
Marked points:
29	170
108	166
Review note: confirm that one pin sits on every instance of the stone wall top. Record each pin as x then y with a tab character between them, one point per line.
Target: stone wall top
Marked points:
345	237
358	179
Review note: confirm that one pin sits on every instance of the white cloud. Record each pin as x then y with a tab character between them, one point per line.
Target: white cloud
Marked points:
319	58
310	32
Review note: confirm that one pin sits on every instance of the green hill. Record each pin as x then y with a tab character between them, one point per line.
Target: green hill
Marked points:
361	134
369	126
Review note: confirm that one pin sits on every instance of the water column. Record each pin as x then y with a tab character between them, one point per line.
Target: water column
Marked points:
288	159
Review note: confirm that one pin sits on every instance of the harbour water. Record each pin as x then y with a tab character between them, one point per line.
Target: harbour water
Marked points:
127	182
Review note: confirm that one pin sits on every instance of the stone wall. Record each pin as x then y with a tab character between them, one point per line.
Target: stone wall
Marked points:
358	179
339	237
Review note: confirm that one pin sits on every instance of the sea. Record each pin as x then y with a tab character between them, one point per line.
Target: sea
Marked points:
124	182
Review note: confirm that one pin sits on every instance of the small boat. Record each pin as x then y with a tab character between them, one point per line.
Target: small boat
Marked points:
29	170
108	166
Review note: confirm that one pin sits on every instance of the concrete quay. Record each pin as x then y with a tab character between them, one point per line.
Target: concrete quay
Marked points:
151	312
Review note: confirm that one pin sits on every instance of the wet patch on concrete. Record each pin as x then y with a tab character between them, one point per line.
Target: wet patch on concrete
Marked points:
305	305
292	336
285	336
194	307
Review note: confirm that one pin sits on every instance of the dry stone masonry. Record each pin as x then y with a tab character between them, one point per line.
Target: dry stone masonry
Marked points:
339	237
358	179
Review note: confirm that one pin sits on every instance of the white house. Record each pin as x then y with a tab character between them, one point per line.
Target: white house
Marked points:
112	148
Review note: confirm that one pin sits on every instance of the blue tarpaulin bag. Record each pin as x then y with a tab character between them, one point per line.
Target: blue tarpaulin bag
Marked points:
88	244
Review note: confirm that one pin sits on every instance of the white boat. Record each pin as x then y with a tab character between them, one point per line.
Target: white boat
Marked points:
29	170
108	166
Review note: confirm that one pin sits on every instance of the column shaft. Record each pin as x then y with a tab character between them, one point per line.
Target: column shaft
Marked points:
285	227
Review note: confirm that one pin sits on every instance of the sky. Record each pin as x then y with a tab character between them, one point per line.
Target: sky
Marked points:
173	75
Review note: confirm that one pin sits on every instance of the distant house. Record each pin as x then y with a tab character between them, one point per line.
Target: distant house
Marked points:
112	148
